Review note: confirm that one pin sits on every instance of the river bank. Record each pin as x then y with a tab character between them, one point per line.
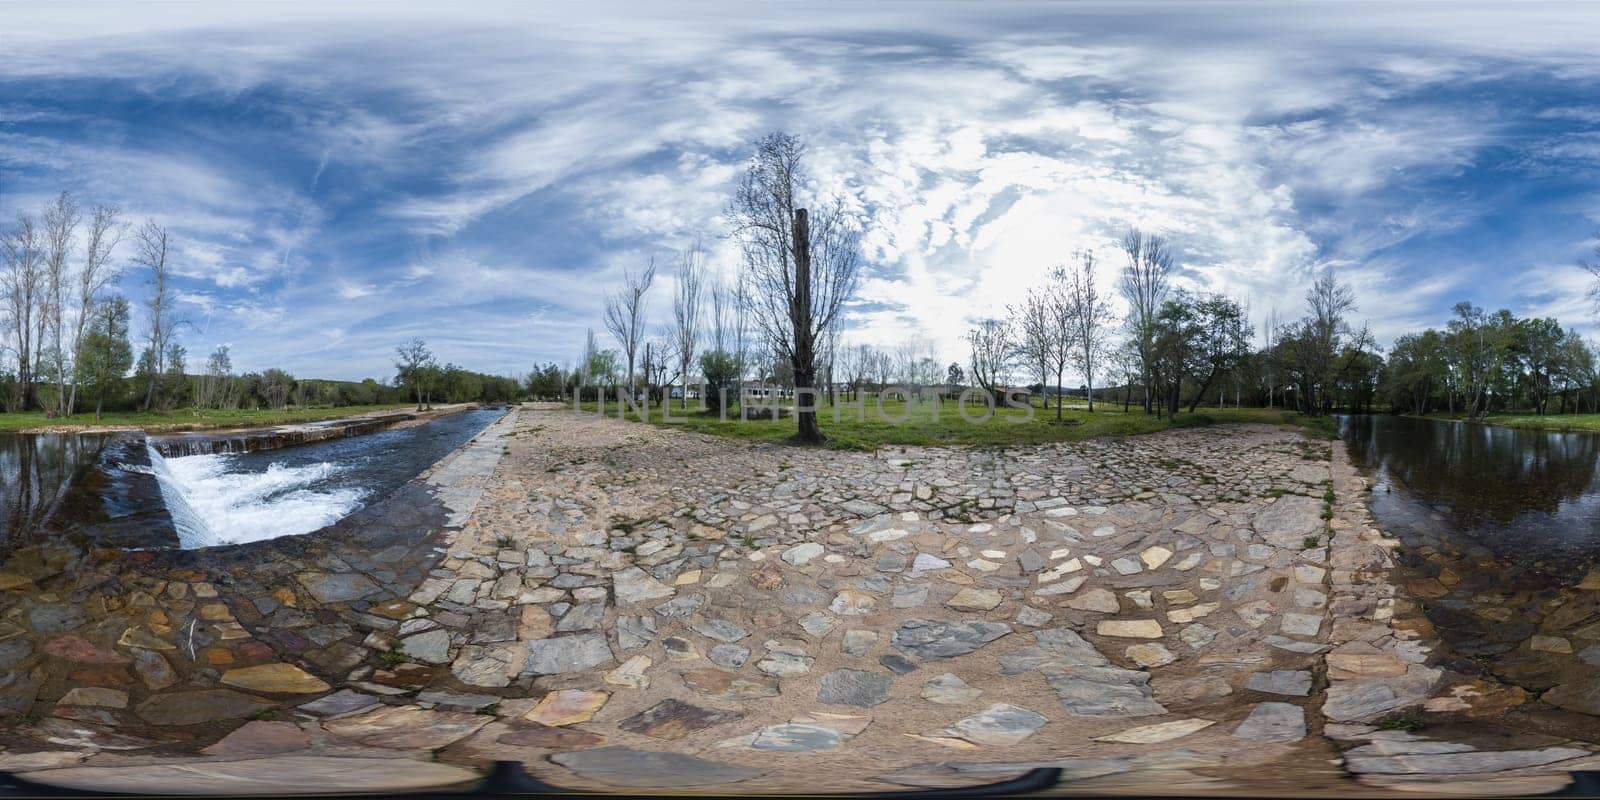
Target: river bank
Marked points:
193	419
1542	422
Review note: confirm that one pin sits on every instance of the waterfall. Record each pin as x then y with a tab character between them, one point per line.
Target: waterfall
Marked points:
214	501
192	530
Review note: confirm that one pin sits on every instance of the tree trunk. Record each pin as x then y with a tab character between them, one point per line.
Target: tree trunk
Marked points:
804	359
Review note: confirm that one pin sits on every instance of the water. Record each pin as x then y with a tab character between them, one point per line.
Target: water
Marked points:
35	473
232	498
1528	498
119	491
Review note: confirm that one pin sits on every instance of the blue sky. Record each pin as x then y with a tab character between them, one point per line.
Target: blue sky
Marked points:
343	177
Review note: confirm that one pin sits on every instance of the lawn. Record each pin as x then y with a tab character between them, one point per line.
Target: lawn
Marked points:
922	426
185	419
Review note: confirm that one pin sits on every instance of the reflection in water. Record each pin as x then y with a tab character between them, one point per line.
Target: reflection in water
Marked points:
35	473
115	490
1529	497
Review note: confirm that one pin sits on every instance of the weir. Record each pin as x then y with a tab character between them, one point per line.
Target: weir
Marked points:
251	441
129	491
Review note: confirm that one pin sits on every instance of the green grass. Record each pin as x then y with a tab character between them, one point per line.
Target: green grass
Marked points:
1543	422
1008	427
1548	422
185	419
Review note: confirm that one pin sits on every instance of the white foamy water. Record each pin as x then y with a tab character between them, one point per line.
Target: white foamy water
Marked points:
211	505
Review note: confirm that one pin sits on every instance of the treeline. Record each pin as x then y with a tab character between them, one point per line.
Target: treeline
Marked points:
67	343
421	378
1181	348
1482	363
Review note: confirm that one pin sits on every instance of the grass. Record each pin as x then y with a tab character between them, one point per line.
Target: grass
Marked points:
184	419
922	426
1547	422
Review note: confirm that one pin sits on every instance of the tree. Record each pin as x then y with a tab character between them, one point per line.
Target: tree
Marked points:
175	382
105	233
104	353
992	352
152	245
1145	283
1330	303
1088	312
23	285
955	376
60	220
1221	344
544	383
721	373
1033	326
277	386
625	313
800	268
415	369
1594	270
216	385
686	302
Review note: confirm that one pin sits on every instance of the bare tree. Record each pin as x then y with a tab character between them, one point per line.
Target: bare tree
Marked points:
60	220
216	386
992	353
801	267
686	312
152	244
625	314
1269	330
722	313
1330	303
1033	329
23	286
1061	340
1145	283
591	349
1088	312
105	233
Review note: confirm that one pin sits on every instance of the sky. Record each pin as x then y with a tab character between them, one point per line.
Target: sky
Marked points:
342	177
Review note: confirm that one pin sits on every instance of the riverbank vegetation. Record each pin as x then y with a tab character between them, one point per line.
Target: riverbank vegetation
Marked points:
1542	422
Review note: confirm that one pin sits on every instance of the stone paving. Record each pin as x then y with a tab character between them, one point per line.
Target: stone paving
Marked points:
621	606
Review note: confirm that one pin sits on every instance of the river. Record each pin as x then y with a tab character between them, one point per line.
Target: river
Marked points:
117	490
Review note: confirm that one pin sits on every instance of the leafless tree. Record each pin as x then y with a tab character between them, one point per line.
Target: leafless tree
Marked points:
591	350
723	310
1145	283
1269	330
1088	312
60	220
1062	328
23	285
801	267
658	364
625	314
1034	332
992	351
152	243
104	234
686	312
